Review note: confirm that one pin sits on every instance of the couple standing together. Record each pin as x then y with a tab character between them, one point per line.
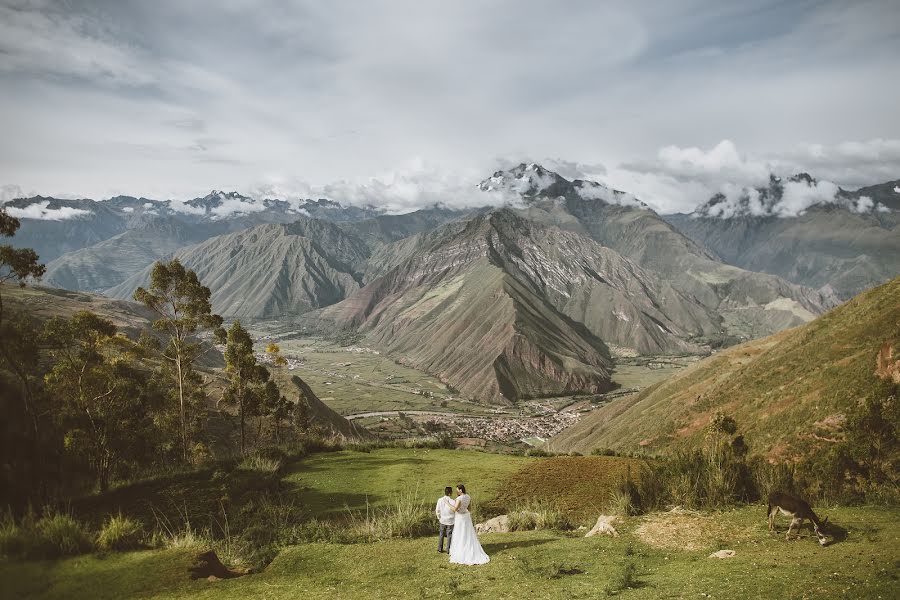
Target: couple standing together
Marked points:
457	527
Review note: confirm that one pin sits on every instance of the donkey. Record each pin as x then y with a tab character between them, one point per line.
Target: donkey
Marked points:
798	510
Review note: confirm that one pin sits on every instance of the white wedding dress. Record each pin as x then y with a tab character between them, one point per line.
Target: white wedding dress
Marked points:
465	549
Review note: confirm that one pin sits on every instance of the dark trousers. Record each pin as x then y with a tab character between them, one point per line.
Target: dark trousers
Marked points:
445	531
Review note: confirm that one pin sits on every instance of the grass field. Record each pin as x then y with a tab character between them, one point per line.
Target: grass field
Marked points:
523	565
668	551
330	483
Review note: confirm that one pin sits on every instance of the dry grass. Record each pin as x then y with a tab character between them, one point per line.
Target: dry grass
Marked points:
680	529
578	485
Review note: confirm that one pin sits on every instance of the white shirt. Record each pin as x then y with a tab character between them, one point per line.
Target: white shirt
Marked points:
444	510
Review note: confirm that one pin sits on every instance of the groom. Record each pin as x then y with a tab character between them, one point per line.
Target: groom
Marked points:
443	510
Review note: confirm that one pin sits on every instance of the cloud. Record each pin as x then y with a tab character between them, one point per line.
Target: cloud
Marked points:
10	192
416	185
128	209
681	179
594	191
800	195
41	212
126	95
229	206
42	37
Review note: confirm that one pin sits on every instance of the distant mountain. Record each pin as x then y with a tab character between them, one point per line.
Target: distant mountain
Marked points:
789	393
281	270
54	226
809	232
270	271
748	304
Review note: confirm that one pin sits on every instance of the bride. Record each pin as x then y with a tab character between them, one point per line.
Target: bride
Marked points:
464	546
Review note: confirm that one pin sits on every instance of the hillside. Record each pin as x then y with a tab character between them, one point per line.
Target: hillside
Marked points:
788	392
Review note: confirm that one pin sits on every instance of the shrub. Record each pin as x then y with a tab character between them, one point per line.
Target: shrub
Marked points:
537	452
120	533
540	514
259	463
621	502
58	534
603	452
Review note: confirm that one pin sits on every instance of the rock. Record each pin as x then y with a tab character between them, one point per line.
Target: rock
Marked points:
604	526
723	554
496	525
213	578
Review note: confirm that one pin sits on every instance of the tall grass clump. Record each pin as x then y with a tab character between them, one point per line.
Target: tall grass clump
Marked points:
120	533
53	535
261	464
539	514
409	516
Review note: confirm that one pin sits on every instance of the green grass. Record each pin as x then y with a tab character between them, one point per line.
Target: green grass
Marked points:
529	564
329	483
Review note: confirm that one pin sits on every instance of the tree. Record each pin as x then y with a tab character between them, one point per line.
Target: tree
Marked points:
183	307
274	352
103	406
18	264
247	379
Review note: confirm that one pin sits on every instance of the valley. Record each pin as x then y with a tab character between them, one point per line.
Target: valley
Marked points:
396	401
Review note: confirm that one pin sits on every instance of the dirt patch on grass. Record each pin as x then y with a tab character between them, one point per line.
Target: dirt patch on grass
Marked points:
579	485
688	530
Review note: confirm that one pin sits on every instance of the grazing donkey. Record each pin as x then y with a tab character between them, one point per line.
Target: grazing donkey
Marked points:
797	510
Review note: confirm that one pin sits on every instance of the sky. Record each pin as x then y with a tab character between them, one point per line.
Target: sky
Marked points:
406	103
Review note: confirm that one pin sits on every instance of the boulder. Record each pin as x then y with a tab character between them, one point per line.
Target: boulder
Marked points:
604	526
723	554
496	525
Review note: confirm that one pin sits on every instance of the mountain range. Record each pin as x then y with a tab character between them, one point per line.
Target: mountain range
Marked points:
533	295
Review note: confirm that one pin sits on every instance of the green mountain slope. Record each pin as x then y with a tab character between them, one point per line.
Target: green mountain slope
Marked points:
788	392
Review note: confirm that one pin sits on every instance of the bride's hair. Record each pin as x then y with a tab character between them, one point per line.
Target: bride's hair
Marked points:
461	488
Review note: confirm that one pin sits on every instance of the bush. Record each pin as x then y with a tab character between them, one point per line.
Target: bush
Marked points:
537	452
259	463
58	534
539	514
603	452
120	533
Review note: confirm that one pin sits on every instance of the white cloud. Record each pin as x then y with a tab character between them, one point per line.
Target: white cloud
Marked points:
148	205
128	209
681	179
41	212
10	192
800	195
591	190
230	206
416	185
185	208
42	37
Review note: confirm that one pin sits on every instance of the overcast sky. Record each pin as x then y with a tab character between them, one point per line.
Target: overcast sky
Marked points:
408	103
